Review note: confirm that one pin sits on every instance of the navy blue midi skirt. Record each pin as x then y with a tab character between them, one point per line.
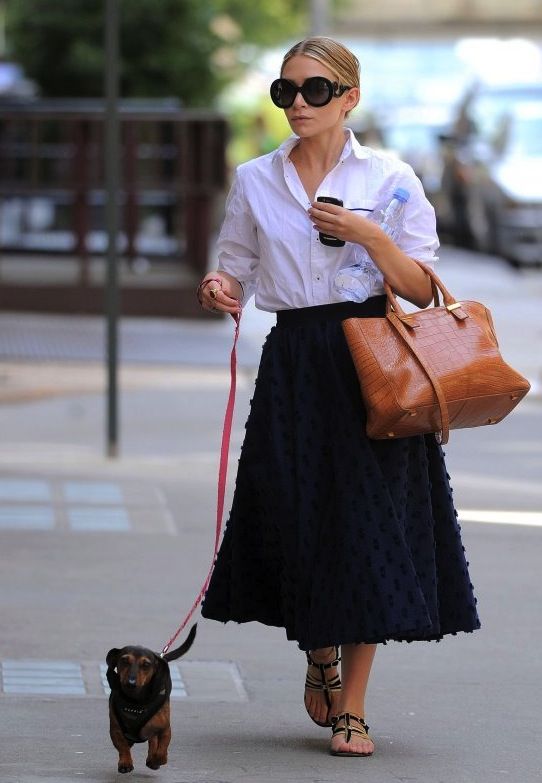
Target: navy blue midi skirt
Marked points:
334	537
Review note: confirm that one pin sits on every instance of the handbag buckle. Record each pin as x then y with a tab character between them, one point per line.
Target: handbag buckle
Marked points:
456	311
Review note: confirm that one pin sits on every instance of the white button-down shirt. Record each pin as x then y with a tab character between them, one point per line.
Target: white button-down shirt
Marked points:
268	242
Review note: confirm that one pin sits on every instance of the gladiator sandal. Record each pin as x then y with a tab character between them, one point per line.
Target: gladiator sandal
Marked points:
347	729
322	685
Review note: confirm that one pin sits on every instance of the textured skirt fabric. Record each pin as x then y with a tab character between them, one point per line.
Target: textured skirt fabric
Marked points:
335	537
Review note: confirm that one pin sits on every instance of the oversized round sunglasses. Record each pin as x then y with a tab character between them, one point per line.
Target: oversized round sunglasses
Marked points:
316	91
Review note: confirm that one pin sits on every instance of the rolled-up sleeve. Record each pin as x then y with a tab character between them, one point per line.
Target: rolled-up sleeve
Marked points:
419	238
237	246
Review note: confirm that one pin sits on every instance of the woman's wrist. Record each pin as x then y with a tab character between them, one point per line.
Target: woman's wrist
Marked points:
375	241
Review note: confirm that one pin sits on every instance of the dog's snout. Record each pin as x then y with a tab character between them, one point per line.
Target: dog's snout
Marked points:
132	681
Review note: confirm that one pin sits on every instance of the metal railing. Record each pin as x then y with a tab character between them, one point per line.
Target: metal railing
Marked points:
52	199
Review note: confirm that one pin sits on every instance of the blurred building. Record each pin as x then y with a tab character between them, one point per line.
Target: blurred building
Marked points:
439	17
52	204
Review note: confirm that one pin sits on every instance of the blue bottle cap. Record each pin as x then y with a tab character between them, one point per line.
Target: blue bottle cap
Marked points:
401	194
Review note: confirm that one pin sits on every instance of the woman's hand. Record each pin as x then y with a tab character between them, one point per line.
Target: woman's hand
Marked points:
219	291
342	223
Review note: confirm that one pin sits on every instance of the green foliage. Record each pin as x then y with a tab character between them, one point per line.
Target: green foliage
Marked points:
266	22
184	48
255	130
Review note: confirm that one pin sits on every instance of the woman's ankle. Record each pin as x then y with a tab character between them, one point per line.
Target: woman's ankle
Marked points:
322	654
352	709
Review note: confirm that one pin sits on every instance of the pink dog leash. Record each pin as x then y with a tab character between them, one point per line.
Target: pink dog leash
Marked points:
222	476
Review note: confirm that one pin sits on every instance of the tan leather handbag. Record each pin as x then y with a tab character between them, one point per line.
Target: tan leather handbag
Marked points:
431	370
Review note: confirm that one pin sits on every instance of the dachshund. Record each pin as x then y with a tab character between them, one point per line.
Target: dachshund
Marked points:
140	684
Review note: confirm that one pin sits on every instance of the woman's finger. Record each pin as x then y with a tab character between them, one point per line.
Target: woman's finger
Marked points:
223	302
325	208
214	295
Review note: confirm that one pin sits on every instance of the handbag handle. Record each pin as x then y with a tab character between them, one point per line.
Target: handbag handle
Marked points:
400	320
399	326
450	302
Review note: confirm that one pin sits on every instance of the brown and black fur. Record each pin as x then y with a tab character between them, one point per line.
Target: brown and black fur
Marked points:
140	685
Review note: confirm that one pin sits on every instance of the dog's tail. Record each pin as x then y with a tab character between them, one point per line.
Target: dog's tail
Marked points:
185	646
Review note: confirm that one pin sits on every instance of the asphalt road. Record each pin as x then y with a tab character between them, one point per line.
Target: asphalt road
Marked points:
99	553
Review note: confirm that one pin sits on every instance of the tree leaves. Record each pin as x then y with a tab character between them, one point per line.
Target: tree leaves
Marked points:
187	49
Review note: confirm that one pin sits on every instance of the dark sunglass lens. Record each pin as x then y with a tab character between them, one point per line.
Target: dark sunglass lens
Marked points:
317	91
282	93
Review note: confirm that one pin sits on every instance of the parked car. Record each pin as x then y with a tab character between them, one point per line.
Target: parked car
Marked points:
504	187
492	159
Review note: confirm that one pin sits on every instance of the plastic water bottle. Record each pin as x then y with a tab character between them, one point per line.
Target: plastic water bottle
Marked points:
393	217
356	283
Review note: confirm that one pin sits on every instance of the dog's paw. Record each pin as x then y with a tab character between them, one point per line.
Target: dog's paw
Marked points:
155	762
126	768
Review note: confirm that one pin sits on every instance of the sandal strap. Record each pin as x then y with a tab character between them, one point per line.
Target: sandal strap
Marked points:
348	729
321	683
316	684
324	666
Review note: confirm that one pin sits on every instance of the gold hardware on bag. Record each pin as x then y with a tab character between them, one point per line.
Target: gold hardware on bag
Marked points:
454	306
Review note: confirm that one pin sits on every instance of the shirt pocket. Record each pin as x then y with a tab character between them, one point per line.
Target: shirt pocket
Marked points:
364	206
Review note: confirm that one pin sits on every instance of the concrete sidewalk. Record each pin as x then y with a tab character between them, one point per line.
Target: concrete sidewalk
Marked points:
99	553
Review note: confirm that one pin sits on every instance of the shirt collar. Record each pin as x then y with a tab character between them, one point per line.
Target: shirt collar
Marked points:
356	148
351	147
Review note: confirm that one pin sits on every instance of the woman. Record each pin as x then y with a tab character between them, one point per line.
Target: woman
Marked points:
343	541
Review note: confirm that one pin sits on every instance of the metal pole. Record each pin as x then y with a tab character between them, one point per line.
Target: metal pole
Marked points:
319	17
112	153
2	28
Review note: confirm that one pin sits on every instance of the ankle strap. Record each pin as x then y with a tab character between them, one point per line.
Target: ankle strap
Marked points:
328	665
347	717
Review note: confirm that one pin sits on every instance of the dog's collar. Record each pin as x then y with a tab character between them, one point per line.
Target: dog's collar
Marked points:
134	710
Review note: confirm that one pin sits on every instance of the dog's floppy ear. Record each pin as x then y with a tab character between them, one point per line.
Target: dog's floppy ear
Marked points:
111	661
112	657
161	681
162	668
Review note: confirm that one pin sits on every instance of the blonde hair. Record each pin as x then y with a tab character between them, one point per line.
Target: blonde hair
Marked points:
340	60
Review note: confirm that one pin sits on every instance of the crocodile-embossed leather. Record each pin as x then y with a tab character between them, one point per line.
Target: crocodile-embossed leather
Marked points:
431	370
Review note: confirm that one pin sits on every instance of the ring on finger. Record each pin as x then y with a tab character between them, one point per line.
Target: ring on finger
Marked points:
213	292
